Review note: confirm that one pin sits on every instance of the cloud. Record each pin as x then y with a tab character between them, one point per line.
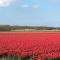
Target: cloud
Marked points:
5	3
36	6
25	6
29	6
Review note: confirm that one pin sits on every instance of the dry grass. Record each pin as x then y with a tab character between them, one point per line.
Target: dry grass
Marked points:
34	30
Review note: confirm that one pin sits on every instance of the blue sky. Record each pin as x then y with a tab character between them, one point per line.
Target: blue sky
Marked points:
30	12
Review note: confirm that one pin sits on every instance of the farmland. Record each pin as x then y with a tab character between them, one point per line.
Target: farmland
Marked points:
43	44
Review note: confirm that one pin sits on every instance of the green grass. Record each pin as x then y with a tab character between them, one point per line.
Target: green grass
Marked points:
9	57
13	57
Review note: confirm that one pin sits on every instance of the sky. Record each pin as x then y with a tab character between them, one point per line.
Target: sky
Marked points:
30	12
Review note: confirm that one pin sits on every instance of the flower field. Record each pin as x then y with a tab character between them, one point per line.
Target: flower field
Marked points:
39	44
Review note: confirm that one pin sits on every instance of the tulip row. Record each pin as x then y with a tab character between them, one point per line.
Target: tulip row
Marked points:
38	44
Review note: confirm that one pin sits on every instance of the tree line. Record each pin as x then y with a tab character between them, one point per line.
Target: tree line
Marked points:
9	28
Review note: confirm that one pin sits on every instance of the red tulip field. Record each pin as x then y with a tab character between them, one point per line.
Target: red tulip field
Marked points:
41	44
